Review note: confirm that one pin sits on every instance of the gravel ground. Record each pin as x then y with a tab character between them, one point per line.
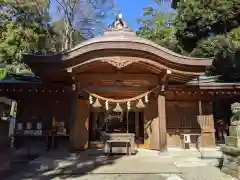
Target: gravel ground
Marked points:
128	177
203	173
90	165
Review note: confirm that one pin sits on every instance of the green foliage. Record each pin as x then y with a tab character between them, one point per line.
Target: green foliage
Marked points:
157	26
197	29
234	35
197	20
3	73
26	30
203	28
26	27
210	46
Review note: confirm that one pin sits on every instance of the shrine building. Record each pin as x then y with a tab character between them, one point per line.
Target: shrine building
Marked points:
119	82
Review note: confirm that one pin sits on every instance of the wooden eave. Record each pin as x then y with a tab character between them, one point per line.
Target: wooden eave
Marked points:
121	44
220	86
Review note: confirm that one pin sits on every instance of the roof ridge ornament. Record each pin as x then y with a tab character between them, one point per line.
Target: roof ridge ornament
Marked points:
119	25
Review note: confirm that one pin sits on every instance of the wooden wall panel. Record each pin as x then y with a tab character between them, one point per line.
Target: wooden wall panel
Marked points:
80	134
172	115
182	115
207	125
36	110
42	109
155	124
207	108
150	122
173	138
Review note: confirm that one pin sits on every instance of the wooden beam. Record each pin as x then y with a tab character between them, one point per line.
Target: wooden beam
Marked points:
163	79
118	95
127	79
200	107
117	89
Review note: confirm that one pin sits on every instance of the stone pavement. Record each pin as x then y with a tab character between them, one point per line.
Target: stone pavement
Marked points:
146	164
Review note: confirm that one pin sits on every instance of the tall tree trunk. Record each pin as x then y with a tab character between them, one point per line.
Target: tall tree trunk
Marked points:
66	42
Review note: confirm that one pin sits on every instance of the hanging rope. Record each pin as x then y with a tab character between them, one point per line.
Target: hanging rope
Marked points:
121	100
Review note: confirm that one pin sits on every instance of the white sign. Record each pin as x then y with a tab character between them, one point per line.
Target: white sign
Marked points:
187	138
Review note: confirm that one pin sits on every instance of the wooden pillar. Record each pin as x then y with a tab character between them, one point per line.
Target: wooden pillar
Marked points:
162	123
151	127
94	125
79	133
137	123
73	114
155	117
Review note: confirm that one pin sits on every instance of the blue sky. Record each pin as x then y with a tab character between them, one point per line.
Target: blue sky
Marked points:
131	10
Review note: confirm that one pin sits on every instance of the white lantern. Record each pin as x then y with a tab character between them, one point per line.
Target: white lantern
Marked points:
97	104
118	108
146	98
90	99
140	104
128	105
106	105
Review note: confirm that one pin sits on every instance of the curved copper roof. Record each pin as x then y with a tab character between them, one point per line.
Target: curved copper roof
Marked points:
125	44
137	43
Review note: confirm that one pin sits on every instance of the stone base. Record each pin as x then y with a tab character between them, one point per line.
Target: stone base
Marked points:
232	151
234	131
231	172
233	141
231	161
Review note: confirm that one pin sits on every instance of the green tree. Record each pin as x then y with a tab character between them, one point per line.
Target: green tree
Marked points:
26	29
198	20
204	28
158	27
198	28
